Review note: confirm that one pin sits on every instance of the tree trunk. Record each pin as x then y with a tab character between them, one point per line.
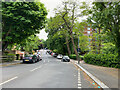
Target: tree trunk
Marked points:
4	46
77	56
99	43
67	43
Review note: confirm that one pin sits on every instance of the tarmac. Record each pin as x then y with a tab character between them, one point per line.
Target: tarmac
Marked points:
109	76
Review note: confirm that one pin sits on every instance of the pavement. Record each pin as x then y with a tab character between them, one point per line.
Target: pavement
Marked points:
109	76
15	62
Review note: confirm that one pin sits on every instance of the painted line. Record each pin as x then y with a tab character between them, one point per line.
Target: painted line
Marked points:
101	84
44	60
79	87
8	80
79	79
35	69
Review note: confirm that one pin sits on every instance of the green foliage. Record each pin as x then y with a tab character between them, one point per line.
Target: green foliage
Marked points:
105	15
107	60
83	42
31	43
55	51
108	48
20	20
73	56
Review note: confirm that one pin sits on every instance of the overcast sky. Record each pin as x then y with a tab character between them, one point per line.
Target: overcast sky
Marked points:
50	5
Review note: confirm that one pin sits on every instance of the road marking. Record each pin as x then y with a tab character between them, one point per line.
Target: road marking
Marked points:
101	84
79	87
79	79
48	61
44	60
35	69
8	80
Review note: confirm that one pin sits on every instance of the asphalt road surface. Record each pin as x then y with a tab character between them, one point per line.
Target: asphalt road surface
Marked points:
48	73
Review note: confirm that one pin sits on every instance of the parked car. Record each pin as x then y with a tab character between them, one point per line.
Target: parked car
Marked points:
52	54
65	59
30	58
39	57
59	56
55	55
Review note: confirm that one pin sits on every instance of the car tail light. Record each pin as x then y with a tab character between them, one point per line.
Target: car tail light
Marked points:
30	57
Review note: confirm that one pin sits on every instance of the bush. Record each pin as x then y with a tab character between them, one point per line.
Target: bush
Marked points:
73	56
107	60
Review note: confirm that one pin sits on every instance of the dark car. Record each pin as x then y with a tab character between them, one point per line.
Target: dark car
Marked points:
55	55
39	57
30	58
65	59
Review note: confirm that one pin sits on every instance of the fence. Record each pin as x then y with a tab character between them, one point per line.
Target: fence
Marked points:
7	58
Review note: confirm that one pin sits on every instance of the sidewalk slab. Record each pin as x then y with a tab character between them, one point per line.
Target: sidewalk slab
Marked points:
109	76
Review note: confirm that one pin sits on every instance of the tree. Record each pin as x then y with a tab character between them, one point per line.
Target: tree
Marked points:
56	27
70	12
107	13
30	43
21	20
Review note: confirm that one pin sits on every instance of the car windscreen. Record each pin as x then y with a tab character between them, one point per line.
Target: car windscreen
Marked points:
66	57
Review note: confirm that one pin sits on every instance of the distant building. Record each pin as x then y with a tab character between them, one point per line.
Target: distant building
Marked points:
88	31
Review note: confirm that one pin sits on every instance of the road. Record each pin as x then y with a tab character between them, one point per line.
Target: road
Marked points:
48	73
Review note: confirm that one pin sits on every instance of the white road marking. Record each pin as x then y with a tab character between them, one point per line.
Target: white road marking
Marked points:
44	60
79	87
79	84
101	84
8	80
35	69
79	79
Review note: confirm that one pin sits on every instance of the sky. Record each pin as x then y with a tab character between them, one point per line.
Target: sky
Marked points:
50	5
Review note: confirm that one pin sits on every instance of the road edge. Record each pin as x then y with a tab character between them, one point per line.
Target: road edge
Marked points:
9	64
101	84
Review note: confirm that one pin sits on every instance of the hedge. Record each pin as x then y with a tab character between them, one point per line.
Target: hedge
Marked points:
73	56
107	60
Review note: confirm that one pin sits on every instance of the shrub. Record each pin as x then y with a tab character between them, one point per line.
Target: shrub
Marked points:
107	60
73	56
